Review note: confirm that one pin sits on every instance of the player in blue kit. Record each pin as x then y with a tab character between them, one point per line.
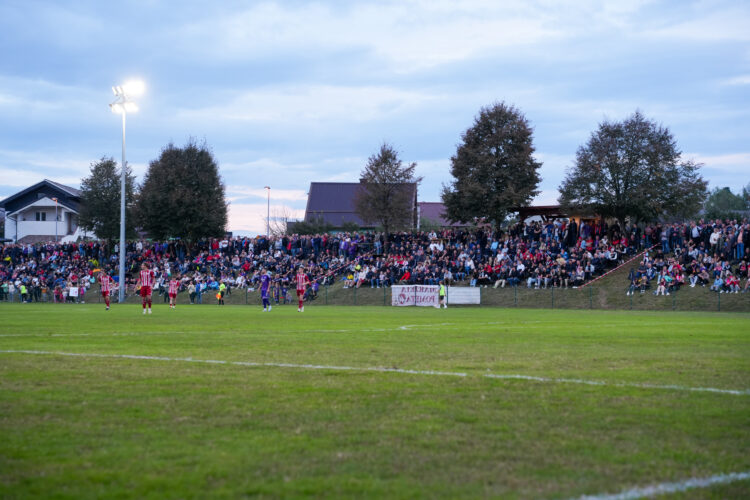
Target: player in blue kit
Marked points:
265	288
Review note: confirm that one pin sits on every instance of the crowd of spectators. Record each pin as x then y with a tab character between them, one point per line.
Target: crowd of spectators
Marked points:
540	254
697	253
536	255
63	272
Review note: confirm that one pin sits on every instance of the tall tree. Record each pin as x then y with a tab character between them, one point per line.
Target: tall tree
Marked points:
100	200
388	190
724	204
633	169
182	195
493	169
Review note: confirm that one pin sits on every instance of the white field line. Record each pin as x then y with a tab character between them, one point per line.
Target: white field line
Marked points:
241	363
401	327
44	335
735	392
665	488
341	330
116	334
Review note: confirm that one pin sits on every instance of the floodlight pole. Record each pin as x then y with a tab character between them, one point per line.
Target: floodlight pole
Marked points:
122	105
123	173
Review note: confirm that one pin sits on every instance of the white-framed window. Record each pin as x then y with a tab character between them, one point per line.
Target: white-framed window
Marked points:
41	216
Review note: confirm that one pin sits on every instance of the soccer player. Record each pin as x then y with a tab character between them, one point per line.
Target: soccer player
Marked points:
146	280
302	282
106	284
265	285
174	286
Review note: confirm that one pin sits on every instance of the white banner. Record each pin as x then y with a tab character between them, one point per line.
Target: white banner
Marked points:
73	292
463	295
414	295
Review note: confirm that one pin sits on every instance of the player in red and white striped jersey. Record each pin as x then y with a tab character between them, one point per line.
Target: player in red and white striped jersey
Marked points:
302	282
146	279
174	287
107	285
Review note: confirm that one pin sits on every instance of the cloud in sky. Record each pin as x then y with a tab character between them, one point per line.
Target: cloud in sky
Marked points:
737	80
287	93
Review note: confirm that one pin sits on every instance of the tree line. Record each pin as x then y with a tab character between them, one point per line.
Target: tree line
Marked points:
181	196
627	170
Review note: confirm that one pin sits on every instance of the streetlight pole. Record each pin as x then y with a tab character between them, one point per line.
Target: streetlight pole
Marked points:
268	212
122	105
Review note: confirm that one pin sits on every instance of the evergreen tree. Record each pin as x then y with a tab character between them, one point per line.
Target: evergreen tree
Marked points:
493	168
387	191
182	195
633	169
724	204
100	201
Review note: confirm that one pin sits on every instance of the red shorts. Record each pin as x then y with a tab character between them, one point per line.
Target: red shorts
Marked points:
172	295
145	291
300	293
105	294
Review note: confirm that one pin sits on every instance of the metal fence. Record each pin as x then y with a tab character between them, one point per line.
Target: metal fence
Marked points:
589	297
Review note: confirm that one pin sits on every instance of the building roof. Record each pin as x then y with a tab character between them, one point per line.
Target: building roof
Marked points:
72	194
70	190
435	211
334	202
543	211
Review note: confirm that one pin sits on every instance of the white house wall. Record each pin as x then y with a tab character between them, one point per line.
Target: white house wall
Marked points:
29	226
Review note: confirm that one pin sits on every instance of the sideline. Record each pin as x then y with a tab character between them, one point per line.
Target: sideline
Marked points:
734	392
665	488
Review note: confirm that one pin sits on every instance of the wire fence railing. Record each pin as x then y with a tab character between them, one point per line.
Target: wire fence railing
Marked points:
588	297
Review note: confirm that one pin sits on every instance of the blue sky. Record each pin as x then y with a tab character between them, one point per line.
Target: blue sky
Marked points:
286	93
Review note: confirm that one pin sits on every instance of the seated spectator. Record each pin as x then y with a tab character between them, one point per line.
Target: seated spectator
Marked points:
717	286
633	285
732	284
406	277
643	283
661	286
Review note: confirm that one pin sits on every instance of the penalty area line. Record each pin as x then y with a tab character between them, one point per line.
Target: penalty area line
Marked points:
637	385
666	488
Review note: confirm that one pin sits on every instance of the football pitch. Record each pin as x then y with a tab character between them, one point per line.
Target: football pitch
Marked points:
372	402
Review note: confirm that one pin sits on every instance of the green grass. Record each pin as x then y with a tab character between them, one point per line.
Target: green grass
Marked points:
92	427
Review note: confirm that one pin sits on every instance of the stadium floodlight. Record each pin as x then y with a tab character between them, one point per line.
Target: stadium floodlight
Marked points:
122	106
134	88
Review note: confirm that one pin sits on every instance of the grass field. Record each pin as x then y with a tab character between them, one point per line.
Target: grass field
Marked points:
369	402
